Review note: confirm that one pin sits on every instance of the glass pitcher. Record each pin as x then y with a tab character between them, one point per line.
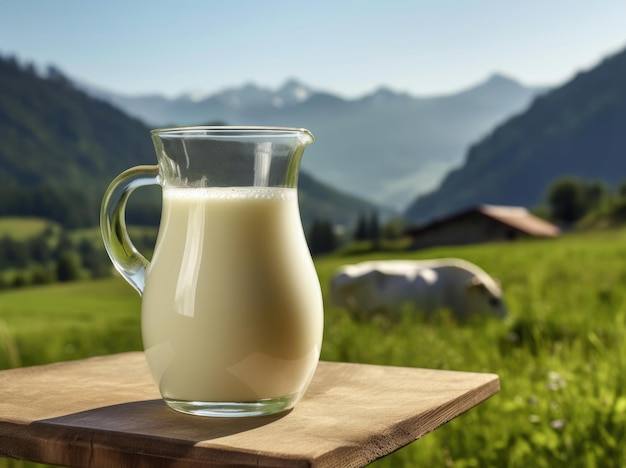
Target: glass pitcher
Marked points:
232	313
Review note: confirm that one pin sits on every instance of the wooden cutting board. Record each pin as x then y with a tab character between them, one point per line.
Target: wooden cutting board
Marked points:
107	412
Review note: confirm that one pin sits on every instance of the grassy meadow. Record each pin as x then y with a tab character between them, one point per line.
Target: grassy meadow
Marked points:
560	355
24	227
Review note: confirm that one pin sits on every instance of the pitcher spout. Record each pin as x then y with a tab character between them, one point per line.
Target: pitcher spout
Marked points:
305	137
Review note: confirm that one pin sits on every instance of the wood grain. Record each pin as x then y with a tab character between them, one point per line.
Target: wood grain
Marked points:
107	412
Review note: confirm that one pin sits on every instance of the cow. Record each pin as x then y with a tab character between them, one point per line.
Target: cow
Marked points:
387	286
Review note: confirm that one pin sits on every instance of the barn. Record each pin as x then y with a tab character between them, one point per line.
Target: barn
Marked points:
482	223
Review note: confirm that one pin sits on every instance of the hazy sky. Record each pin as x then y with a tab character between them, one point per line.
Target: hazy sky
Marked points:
348	47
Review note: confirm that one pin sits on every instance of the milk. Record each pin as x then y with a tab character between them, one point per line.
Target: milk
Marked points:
232	308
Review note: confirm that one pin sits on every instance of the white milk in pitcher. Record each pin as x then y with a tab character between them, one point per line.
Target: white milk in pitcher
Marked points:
232	308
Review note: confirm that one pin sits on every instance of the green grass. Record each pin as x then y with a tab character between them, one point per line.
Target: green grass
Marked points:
68	321
22	228
560	355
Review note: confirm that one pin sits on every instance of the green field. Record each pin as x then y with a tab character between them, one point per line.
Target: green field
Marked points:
24	228
560	356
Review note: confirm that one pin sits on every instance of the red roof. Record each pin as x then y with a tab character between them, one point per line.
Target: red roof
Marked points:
520	218
517	217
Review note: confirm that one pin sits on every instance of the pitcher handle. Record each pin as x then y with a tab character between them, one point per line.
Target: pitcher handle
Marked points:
125	257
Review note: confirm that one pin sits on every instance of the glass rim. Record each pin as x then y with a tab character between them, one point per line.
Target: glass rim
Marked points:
227	131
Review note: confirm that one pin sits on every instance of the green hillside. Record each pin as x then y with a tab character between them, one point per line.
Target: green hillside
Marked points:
60	148
577	129
23	227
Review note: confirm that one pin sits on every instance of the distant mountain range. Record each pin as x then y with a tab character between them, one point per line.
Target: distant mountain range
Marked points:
60	148
577	129
387	147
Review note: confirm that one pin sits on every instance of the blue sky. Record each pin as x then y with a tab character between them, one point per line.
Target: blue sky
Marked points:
350	47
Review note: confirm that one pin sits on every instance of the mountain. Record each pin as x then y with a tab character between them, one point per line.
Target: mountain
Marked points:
60	148
577	129
385	146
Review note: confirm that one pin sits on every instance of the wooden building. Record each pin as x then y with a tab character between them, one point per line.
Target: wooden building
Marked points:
483	223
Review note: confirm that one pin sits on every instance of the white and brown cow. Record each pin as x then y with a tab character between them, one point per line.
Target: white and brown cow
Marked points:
386	286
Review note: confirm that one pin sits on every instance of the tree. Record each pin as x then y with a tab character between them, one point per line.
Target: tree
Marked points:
374	230
321	237
64	244
94	260
361	232
566	200
40	275
13	253
68	266
39	248
55	74
593	194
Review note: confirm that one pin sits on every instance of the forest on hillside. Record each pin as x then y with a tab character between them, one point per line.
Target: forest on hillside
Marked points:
60	148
